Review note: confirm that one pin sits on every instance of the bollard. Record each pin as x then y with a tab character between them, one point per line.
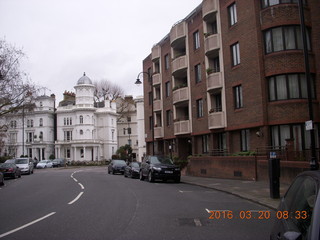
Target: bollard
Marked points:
274	177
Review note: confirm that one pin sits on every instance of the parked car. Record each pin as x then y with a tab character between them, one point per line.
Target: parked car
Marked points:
117	166
298	214
10	170
159	167
44	164
10	161
1	179
132	170
25	164
58	162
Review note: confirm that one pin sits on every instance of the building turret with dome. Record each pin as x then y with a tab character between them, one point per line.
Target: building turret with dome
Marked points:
85	132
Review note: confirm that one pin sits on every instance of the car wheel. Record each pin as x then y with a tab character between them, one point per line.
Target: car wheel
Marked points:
125	175
150	177
19	175
141	176
113	172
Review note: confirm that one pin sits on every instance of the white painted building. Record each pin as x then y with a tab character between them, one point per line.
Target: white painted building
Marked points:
29	131
131	125
85	132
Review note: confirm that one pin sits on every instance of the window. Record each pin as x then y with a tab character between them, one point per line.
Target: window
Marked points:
41	122
205	143
289	86
196	40
297	132
197	70
151	123
232	10
41	135
166	61
245	140
238	101
169	117
284	38
235	51
199	108
81	119
268	3
67	135
168	89
81	132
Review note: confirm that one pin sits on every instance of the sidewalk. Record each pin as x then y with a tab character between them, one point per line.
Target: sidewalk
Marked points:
255	191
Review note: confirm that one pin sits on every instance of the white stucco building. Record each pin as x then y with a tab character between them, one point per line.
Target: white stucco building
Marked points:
85	132
131	125
29	131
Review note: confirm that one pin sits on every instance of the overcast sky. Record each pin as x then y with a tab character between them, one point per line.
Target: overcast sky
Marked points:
107	39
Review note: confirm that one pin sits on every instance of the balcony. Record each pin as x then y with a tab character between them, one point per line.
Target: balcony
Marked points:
157	105
180	95
156	79
216	120
209	9
155	53
158	132
211	44
178	34
179	65
182	127
214	81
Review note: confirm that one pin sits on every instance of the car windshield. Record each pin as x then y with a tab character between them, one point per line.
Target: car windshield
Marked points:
135	164
5	165
21	161
43	161
10	161
119	162
161	159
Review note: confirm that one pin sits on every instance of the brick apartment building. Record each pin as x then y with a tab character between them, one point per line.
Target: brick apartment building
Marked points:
230	78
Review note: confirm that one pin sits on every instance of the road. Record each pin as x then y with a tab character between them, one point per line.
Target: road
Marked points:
89	204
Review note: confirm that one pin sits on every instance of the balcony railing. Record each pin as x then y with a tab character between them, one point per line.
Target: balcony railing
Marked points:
157	105
156	78
155	52
158	132
216	120
209	8
211	44
180	95
182	127
178	32
214	81
179	64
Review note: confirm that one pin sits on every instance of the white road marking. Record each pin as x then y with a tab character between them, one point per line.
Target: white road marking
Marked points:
76	199
184	191
82	187
197	222
26	225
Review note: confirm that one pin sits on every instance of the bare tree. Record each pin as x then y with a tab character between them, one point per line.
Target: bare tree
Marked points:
107	90
16	90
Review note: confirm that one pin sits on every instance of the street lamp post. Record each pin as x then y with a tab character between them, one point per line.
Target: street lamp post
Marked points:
138	81
314	165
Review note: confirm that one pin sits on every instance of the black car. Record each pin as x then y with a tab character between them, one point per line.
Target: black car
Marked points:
159	167
58	162
298	215
1	179
117	166
10	170
132	170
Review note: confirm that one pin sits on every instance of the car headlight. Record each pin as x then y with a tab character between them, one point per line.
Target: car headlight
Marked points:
177	169
157	168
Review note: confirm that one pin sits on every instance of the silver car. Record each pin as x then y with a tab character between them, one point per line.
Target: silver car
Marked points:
25	164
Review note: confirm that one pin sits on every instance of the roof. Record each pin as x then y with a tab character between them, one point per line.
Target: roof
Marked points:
84	80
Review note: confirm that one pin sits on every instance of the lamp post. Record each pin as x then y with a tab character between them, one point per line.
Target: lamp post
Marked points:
314	165
138	82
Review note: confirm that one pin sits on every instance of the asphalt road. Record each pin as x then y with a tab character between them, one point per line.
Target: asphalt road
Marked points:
89	204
